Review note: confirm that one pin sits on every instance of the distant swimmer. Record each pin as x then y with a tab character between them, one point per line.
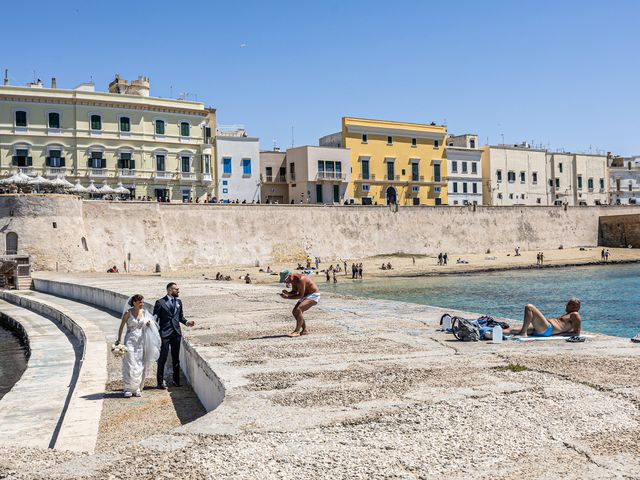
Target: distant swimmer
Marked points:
536	324
308	295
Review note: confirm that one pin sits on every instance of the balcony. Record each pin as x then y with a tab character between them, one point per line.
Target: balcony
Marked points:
331	176
162	175
55	171
188	176
392	178
127	172
206	177
417	178
25	170
98	172
276	179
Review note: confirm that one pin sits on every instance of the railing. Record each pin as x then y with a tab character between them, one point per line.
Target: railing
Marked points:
272	179
206	177
54	171
331	176
367	178
187	176
127	172
98	172
162	174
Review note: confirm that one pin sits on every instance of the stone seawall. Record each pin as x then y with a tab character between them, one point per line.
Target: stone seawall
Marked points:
70	234
620	231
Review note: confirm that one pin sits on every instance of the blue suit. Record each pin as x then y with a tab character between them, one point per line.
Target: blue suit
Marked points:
169	318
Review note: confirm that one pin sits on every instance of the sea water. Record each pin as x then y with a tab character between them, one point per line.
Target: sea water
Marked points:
13	360
610	294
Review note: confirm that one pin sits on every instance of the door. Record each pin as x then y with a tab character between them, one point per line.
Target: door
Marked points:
318	193
12	243
336	194
391	196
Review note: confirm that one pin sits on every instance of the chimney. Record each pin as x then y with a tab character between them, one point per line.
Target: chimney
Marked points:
276	149
6	77
54	84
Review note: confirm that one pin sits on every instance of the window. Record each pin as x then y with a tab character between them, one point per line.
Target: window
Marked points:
21	158
184	129
389	140
464	167
185	162
416	201
365	188
511	176
590	184
438	201
364	138
436	144
125	161
391	170
534	177
538	200
557	183
455	187
464	187
472	143
96	160
511	196
207	164
246	167
269	173
630	185
474	187
550	182
474	167
579	182
365	169
500	195
414	142
602	184
96	122
159	127
415	189
523	177
54	159
522	195
225	182
226	166
21	118
125	124
560	167
160	167
415	172
436	172
54	120
498	175
454	167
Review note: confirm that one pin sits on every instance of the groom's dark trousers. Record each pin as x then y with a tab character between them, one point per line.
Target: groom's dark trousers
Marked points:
169	316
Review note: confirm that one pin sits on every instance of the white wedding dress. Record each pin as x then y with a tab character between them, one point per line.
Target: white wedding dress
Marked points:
143	349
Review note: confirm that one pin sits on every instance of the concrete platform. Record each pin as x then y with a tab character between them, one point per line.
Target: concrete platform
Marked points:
375	391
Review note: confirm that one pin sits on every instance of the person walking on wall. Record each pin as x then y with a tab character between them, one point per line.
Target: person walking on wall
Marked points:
169	315
445	259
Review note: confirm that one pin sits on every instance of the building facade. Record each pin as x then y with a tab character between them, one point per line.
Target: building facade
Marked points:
273	177
577	179
393	162
464	169
237	166
514	175
624	180
318	174
156	147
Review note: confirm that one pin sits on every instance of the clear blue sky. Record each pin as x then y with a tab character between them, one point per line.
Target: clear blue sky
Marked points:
563	73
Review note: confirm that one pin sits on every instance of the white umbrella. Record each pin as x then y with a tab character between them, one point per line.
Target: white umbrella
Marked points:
92	188
78	188
39	180
121	190
105	189
61	182
18	178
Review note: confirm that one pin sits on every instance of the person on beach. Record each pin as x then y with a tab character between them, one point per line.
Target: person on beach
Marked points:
440	258
538	258
335	278
535	323
328	273
602	255
308	295
143	345
445	258
354	271
360	271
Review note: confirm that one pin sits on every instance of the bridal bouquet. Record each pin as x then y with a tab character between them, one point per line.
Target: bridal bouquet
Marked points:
118	349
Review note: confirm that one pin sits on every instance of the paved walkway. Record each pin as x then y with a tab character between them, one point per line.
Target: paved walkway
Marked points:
30	413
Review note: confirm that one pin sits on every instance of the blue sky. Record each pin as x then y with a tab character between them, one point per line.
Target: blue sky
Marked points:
558	73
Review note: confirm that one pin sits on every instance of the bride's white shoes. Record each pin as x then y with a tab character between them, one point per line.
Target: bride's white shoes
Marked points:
128	394
137	394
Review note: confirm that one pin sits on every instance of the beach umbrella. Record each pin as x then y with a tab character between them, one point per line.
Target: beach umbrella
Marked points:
78	188
92	188
39	180
121	190
18	178
105	189
61	182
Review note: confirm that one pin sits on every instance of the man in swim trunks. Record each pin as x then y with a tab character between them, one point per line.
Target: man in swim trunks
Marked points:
308	295
536	324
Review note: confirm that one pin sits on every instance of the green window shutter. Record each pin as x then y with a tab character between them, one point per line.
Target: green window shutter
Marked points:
62	162
132	164
47	162
29	161
103	163
119	162
89	162
14	160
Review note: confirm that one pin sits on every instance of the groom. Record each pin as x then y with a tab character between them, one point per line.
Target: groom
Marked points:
169	316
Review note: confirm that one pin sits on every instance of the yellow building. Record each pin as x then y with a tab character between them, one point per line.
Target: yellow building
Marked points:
394	162
156	147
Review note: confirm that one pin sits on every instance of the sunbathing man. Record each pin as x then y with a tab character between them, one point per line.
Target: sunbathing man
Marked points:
302	288
535	322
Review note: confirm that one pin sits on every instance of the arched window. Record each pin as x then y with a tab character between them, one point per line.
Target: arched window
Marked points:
12	243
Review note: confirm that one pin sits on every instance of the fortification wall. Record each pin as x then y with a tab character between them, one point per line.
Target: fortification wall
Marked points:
180	236
620	231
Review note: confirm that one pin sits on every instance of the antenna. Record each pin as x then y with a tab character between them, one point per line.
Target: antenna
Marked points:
292	137
170	91
274	143
6	76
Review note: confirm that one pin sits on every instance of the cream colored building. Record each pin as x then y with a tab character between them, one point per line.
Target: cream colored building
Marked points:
624	180
465	169
514	175
156	147
273	177
577	179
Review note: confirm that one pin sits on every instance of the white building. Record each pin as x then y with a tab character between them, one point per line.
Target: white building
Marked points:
624	180
514	175
577	179
464	169
318	174
237	166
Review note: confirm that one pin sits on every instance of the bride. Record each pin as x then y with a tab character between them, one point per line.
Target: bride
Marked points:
143	344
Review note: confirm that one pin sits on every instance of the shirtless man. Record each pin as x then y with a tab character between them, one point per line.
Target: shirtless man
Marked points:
535	322
308	295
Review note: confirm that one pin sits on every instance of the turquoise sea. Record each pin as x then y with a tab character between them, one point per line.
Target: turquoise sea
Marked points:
610	294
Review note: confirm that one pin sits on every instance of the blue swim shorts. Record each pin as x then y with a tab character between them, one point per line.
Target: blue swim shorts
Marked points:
547	333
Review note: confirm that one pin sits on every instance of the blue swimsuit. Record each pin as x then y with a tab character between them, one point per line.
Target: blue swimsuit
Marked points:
547	333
